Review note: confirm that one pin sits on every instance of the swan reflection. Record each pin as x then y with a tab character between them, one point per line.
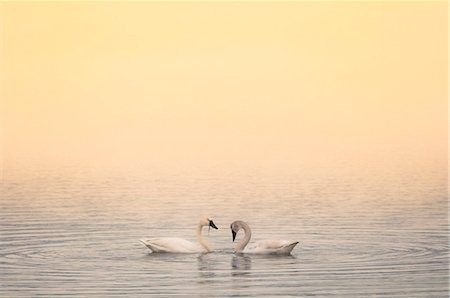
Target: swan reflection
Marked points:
206	265
241	265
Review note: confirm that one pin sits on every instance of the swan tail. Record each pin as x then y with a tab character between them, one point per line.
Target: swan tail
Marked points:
288	248
151	246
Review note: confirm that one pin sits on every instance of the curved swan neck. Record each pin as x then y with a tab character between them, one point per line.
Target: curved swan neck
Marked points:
247	235
201	240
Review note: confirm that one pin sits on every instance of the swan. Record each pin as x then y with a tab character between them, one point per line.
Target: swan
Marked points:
180	245
262	247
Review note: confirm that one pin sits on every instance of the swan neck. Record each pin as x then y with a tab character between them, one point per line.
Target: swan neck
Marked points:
247	235
201	240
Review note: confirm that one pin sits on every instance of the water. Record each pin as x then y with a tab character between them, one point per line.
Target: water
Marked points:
74	231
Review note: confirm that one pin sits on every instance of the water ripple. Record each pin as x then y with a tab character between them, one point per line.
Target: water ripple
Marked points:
81	239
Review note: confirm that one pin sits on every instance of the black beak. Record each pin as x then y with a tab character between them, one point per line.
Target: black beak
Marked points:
212	225
234	234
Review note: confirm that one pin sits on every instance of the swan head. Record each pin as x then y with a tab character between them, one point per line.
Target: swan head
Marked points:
206	222
235	227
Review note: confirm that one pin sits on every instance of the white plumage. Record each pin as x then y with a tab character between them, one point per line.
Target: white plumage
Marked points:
261	247
180	245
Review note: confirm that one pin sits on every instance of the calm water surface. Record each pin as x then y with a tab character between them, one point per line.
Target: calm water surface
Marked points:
74	231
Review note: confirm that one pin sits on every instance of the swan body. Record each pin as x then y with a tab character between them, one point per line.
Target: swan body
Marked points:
180	245
282	247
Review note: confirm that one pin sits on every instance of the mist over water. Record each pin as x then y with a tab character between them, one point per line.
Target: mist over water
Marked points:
75	231
320	122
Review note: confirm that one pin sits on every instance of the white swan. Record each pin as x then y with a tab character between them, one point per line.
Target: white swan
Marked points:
180	245
262	247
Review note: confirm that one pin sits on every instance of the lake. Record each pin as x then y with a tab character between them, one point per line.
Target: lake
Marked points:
366	230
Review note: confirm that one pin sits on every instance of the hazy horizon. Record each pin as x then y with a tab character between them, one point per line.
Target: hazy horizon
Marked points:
223	83
323	123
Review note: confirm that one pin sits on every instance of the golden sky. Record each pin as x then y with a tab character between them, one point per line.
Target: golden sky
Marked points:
198	82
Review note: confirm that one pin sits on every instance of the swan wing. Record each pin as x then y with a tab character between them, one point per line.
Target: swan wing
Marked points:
271	247
175	245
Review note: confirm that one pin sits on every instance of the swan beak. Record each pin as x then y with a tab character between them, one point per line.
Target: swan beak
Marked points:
212	225
234	234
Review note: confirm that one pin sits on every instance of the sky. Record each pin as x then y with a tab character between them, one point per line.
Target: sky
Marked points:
207	83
